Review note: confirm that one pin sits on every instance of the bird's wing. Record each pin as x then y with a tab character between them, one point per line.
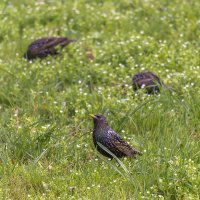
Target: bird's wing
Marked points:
121	145
54	41
51	42
146	78
44	46
48	45
147	82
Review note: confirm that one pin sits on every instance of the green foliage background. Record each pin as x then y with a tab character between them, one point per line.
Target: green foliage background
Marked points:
46	149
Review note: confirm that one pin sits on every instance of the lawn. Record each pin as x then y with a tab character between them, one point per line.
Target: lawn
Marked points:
46	147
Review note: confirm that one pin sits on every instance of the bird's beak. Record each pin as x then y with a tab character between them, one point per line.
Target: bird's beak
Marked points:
91	115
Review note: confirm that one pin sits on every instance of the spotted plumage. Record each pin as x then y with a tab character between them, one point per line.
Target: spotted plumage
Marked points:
149	80
107	137
43	47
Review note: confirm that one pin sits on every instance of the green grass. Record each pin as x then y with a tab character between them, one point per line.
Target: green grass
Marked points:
46	148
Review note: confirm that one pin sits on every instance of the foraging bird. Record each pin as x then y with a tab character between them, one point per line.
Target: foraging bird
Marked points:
43	47
107	137
149	80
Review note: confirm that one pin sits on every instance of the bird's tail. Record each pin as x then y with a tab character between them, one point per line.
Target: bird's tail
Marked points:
137	152
67	41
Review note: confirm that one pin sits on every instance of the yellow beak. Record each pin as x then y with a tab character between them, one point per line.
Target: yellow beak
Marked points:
91	115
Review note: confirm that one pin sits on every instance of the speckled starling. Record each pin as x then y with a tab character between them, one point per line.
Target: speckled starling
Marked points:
150	81
43	47
107	137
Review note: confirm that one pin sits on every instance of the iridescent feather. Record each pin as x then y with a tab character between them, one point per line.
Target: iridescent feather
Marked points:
103	134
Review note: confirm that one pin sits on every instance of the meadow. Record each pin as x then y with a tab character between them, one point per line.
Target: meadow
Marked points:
46	147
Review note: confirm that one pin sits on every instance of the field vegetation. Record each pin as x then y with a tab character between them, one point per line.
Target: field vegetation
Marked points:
46	148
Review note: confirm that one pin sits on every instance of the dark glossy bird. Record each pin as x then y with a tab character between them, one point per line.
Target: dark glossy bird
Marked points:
43	47
104	135
150	81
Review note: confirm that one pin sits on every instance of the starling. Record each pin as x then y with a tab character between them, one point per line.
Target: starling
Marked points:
104	135
149	80
46	46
